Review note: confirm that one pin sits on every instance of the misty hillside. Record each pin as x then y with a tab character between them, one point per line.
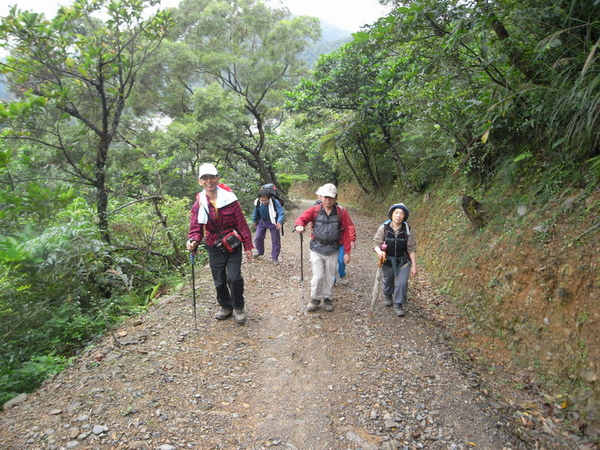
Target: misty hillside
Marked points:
332	38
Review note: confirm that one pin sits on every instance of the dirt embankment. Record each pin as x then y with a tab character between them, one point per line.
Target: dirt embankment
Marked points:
351	378
530	286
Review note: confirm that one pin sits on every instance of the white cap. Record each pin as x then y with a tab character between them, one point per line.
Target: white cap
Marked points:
207	169
327	190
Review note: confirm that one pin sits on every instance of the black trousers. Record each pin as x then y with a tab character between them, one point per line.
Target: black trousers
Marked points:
226	271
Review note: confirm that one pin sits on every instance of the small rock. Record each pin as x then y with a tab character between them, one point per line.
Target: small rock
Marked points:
541	228
14	401
589	376
99	429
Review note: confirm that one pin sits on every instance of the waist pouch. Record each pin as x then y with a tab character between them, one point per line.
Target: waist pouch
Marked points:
229	241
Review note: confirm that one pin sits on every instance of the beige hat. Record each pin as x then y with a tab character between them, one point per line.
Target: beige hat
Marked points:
207	169
327	190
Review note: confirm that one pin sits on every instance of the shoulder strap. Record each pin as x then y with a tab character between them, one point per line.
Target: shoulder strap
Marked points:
217	227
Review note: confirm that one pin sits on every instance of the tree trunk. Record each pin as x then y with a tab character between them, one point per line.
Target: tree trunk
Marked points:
101	192
358	180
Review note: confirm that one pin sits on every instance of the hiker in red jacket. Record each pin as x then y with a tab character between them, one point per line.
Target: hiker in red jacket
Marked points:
216	216
331	227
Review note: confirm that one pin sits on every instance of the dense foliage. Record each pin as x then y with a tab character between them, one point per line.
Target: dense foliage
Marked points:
466	87
115	104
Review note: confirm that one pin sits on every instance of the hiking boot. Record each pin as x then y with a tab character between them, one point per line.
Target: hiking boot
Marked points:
387	301
276	262
240	316
223	314
328	304
256	255
313	305
399	309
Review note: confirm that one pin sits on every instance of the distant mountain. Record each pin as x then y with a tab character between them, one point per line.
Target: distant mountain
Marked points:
332	38
332	32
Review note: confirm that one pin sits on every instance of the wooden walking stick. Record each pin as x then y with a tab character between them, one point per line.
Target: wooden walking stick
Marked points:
376	288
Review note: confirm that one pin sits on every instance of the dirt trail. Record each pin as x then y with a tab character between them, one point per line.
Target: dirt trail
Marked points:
289	379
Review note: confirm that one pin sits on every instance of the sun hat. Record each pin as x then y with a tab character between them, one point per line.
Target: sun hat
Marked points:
402	207
207	169
327	190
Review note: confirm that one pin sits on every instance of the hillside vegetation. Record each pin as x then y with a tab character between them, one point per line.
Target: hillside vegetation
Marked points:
527	284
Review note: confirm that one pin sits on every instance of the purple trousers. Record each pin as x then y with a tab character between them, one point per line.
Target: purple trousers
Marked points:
259	239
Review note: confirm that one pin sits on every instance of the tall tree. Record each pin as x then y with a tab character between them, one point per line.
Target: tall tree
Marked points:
361	82
73	76
251	51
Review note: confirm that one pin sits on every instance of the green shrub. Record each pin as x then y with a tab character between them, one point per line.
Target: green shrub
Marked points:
17	379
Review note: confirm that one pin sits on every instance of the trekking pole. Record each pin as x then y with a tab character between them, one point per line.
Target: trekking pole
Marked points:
301	258
376	288
192	254
301	269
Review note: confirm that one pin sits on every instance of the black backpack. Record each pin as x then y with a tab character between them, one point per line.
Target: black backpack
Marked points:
273	192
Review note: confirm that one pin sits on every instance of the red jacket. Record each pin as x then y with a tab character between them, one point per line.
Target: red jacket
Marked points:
347	226
227	218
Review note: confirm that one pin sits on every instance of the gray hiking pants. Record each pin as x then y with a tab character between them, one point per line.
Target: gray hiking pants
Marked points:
397	287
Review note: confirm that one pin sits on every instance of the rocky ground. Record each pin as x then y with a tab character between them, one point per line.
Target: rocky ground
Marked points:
347	379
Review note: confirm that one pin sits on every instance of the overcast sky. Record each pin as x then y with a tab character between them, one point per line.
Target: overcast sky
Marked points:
347	14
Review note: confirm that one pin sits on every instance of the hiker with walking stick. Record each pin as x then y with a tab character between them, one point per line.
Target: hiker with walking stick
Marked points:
217	217
330	228
395	244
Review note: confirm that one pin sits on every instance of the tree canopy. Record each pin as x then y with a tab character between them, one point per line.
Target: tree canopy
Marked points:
466	86
75	74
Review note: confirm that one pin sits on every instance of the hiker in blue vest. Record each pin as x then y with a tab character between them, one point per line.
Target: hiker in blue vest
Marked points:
268	215
330	228
395	244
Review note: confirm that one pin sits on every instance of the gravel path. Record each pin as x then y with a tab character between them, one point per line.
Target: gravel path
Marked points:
288	379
